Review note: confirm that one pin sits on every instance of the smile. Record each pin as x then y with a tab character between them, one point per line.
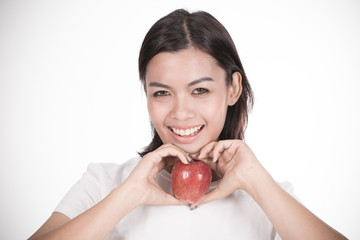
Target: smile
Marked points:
186	132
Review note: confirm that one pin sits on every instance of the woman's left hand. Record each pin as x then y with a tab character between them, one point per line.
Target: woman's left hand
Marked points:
235	164
234	161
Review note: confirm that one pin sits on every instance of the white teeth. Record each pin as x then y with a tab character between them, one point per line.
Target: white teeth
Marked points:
186	132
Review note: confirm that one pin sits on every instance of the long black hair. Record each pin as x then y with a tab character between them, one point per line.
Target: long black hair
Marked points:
181	30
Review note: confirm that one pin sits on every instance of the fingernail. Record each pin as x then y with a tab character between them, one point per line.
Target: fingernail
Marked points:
193	207
209	159
194	155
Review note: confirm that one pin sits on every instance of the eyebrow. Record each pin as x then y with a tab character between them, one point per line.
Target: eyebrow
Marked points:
161	85
157	84
199	81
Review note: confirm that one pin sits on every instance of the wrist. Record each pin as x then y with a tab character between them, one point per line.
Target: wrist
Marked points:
134	196
258	180
126	198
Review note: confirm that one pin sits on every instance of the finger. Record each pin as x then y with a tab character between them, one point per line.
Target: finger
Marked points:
171	200
160	197
220	148
169	150
218	193
167	199
157	160
210	196
205	152
207	160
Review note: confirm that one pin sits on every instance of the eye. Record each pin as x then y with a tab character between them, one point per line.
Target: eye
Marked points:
200	91
161	93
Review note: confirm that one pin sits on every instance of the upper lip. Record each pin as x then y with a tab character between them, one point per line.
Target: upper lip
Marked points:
185	128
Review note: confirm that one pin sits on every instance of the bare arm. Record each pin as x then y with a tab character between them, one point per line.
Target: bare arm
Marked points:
95	223
240	169
290	218
140	188
56	219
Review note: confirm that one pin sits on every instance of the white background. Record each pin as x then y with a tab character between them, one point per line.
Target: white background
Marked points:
70	95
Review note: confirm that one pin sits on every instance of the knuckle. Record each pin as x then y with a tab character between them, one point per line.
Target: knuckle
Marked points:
166	145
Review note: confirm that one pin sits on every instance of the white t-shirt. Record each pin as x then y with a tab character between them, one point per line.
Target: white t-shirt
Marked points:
236	217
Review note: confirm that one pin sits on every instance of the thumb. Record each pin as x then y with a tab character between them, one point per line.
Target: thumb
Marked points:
210	196
160	197
221	191
171	200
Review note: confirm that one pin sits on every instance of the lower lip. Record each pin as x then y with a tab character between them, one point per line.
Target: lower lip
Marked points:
186	139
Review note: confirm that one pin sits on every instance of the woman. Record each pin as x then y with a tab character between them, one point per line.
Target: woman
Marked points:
198	98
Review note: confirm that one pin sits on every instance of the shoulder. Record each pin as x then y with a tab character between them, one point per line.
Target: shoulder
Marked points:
115	172
101	178
96	182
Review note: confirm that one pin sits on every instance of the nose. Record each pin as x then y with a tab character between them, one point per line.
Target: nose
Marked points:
182	108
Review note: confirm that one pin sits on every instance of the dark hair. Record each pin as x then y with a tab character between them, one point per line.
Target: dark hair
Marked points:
180	30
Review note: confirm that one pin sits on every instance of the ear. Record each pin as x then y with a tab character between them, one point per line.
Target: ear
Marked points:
235	89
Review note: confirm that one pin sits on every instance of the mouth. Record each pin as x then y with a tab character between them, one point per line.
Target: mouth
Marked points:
188	132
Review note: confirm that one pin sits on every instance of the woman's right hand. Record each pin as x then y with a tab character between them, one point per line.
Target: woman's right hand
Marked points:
138	189
142	180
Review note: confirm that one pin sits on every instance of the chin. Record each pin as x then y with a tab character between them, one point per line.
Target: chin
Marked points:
190	148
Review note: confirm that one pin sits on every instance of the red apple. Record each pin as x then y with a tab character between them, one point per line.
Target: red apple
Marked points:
190	181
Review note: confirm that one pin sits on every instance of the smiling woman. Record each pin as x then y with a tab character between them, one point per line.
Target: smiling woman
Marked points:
194	97
207	37
198	99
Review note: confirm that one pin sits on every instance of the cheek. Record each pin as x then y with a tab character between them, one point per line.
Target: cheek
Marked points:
214	112
152	111
156	114
215	109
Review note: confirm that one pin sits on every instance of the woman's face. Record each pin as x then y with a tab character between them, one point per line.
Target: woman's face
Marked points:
187	98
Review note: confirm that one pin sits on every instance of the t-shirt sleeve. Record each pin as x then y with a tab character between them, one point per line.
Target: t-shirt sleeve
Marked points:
84	194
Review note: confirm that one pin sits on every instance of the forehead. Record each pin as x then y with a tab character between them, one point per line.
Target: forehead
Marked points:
187	65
